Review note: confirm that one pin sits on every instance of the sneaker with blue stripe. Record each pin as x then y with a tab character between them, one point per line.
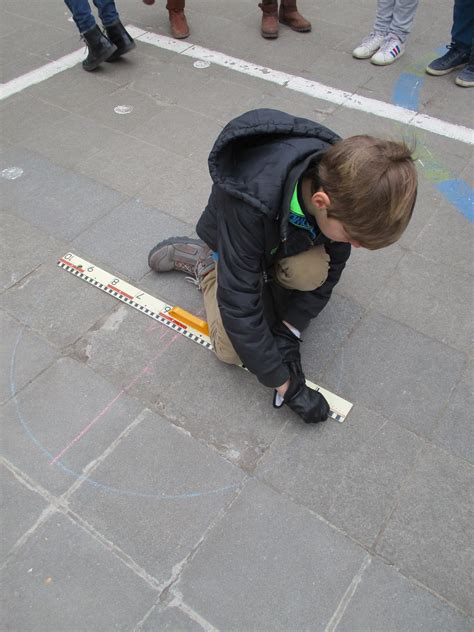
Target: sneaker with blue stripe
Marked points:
390	51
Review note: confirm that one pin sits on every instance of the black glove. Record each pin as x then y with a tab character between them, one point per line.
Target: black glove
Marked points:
288	344
310	405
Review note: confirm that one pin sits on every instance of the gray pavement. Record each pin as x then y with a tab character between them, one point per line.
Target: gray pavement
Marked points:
181	500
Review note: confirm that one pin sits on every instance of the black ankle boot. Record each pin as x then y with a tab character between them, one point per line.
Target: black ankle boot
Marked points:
99	47
121	38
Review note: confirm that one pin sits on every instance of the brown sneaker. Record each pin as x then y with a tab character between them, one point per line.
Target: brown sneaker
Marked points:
269	28
191	256
290	16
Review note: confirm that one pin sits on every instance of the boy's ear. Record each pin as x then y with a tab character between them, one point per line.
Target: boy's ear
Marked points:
320	199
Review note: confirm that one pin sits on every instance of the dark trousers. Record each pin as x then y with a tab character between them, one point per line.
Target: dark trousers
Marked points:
82	14
462	33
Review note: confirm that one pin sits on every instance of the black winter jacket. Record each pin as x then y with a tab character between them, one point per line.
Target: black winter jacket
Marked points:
255	164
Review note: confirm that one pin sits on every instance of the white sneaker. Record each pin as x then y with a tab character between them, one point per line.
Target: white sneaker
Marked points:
368	46
390	50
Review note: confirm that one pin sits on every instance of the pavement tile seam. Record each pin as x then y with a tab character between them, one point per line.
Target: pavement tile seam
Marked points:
93	465
178	602
398	496
347	596
19	391
128	561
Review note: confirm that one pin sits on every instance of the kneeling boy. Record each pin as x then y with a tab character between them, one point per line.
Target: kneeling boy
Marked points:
289	199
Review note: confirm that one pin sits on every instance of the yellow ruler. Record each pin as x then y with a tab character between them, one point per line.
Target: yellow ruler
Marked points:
175	317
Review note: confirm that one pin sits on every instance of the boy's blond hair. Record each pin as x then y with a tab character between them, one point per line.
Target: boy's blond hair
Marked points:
372	186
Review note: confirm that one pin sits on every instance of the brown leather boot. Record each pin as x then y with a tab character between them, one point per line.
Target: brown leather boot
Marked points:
290	16
269	28
178	23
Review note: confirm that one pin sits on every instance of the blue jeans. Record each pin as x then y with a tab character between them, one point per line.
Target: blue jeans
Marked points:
395	16
462	33
82	14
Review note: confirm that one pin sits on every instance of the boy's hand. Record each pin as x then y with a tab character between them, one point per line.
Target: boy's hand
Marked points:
310	405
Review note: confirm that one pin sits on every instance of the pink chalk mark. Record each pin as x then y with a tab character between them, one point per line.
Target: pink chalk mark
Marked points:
145	370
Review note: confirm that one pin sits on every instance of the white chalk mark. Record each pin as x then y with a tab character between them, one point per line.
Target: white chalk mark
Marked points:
12	173
123	109
201	64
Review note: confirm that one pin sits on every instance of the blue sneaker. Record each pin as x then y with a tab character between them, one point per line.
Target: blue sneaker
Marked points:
453	59
466	77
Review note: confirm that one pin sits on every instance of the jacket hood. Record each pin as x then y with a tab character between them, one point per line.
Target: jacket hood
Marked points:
254	154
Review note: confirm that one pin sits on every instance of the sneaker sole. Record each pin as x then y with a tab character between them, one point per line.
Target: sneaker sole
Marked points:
464	84
169	242
366	56
107	55
439	73
306	29
386	63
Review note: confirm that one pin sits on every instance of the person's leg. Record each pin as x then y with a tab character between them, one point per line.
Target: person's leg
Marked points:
462	37
462	32
403	16
289	15
178	23
384	16
107	12
81	14
269	25
220	340
305	271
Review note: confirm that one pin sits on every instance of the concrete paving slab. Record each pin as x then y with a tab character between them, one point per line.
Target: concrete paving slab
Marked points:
396	371
70	581
125	236
385	600
23	248
133	351
23	117
61	421
70	141
37	176
55	304
325	335
170	620
66	91
188	133
454	431
367	272
288	569
68	208
142	108
166	484
24	351
423	300
126	164
21	508
429	534
447	239
350	474
193	183
225	407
